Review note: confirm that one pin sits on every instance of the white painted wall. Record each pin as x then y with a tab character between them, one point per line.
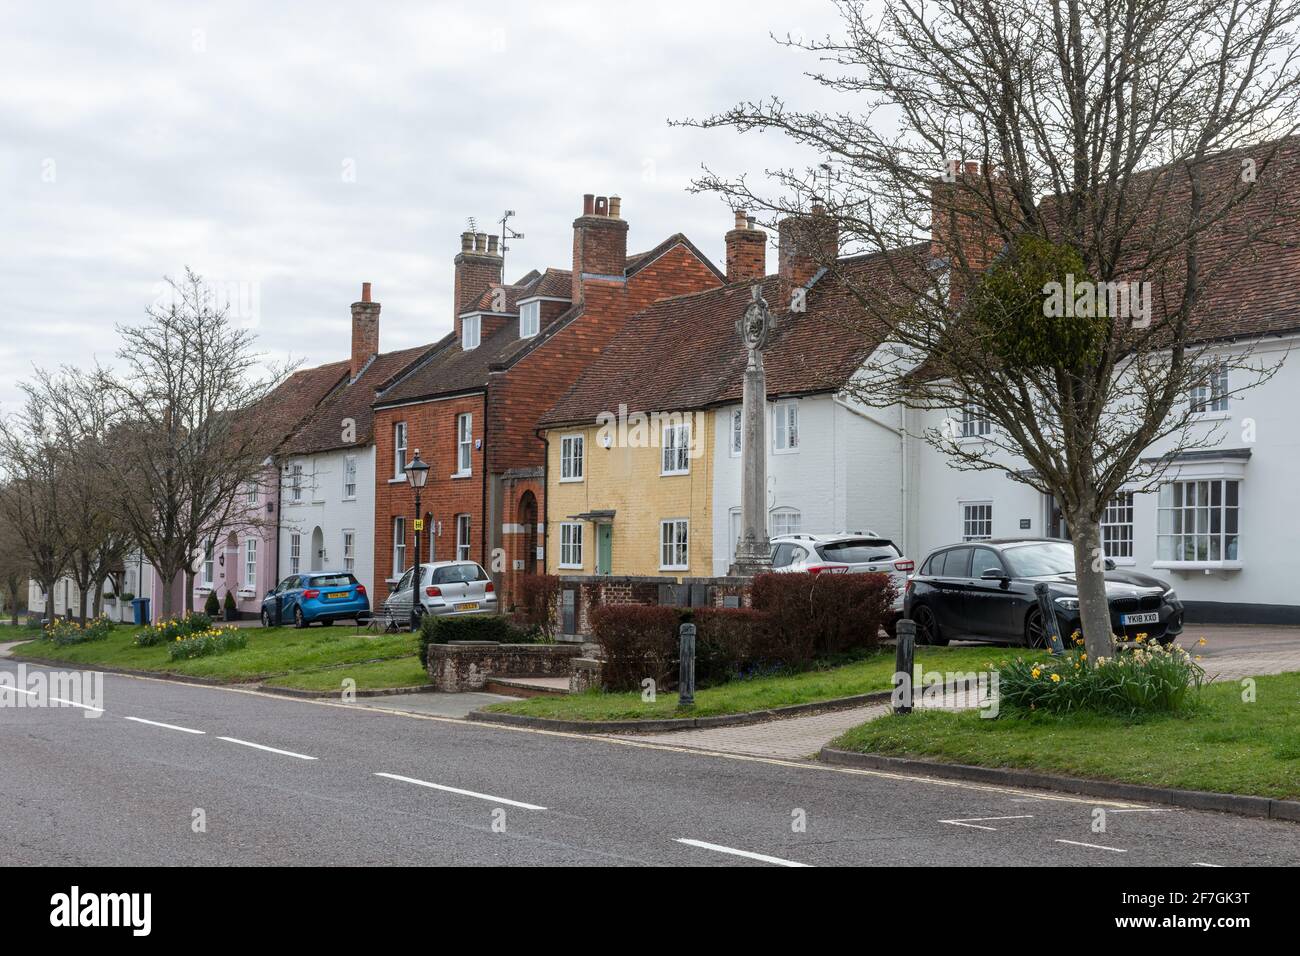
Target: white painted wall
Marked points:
845	475
1268	525
323	506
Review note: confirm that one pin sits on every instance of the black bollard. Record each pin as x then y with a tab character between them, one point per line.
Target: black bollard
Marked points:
686	667
904	655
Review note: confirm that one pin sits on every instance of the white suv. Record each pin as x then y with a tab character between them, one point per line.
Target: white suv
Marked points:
854	552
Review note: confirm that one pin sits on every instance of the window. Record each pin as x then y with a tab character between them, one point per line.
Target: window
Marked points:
975	421
977	521
1211	395
676	448
250	490
570	544
295	482
399	546
784	521
349	477
737	431
674	553
209	549
295	553
349	551
250	563
399	450
464	443
785	431
1197	521
1117	527
571	447
469	332
530	319
462	537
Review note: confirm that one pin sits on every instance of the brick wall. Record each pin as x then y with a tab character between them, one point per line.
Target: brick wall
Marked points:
431	427
460	667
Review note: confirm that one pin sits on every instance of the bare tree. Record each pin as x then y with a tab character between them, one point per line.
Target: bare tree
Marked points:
33	463
190	428
15	566
1133	150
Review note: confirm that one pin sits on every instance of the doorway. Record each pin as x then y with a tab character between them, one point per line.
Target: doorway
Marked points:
604	549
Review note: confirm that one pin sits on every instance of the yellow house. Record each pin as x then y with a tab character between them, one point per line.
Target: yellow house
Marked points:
630	495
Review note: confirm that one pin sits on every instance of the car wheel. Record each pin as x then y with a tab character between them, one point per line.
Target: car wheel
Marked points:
298	619
927	627
266	618
1035	632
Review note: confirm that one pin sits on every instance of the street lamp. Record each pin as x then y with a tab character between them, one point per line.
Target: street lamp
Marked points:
417	473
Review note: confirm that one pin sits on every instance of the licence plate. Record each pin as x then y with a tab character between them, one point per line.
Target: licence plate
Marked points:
337	594
472	606
1147	617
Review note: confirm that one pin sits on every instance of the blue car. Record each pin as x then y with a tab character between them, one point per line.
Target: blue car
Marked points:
325	596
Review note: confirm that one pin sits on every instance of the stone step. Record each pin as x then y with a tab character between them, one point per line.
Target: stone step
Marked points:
527	686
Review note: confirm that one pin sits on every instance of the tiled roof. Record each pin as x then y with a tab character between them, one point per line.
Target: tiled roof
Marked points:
323	428
684	353
640	260
293	400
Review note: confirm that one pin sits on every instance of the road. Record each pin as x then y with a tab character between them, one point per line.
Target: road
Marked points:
277	781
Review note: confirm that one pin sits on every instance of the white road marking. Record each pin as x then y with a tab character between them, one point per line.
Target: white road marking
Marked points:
1217	866
745	853
464	793
1093	846
77	703
155	723
973	822
1146	810
21	690
286	753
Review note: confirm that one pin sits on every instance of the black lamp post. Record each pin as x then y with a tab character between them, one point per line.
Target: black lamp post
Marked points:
417	473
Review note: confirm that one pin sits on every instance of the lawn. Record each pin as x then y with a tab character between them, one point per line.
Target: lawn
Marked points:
399	672
760	693
1225	745
271	652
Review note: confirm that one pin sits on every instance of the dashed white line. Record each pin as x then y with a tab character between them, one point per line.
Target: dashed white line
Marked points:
77	703
1217	866
156	723
1144	810
248	743
745	853
463	793
973	822
1093	846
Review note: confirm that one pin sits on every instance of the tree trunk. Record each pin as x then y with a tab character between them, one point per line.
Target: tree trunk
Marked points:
48	586
1090	571
168	582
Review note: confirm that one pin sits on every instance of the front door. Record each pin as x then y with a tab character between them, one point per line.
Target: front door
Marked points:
604	549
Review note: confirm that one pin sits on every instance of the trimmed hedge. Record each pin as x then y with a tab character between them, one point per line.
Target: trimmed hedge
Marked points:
471	627
796	620
538	607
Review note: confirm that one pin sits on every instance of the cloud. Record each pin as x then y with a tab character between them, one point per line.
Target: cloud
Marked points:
298	151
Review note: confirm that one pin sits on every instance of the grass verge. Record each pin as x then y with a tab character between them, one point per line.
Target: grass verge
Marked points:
376	675
759	693
271	653
1224	744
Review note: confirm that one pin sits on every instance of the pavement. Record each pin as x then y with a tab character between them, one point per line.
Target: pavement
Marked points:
168	773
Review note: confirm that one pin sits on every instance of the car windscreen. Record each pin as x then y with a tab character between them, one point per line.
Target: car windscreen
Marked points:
859	550
459	574
1042	558
333	581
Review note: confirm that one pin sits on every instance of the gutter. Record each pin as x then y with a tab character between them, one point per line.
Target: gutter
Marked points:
546	497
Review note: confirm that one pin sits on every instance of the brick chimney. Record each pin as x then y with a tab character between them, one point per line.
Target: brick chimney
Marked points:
478	268
746	250
365	331
599	241
805	243
963	227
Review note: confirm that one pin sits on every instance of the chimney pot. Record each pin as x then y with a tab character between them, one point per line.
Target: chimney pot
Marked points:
467	242
480	242
588	202
602	206
740	219
492	245
615	206
751	222
365	292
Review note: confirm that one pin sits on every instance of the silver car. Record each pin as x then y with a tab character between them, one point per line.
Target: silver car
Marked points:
846	553
447	588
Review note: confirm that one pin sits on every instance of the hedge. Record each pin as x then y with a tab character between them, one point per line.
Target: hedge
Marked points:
637	642
818	615
471	627
538	607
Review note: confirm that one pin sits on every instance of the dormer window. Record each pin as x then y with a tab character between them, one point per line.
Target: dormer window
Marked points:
470	331
530	319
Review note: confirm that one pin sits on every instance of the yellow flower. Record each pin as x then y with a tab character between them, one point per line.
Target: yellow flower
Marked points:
1056	678
1083	656
1035	672
1202	642
1140	638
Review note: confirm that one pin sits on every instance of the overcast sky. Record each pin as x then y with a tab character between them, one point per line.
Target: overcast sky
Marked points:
289	152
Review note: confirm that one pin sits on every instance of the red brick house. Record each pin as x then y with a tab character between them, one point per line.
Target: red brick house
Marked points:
471	405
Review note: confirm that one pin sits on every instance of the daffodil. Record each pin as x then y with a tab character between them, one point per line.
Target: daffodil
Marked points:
1056	678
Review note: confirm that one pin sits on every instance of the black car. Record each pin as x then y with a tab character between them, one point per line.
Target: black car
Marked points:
984	591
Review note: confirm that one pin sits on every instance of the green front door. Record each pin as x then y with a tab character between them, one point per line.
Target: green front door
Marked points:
604	549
